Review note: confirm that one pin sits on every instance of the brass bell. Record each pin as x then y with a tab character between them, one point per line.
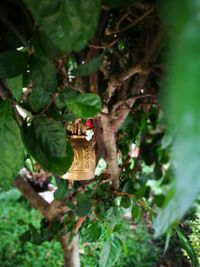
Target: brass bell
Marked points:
83	165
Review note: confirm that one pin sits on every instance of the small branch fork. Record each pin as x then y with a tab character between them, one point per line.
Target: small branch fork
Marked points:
132	24
112	116
51	212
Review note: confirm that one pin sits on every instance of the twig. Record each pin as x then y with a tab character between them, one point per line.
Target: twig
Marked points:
123	102
122	18
78	224
103	46
131	24
116	82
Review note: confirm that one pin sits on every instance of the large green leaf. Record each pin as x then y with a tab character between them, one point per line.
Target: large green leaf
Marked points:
84	105
12	63
92	233
42	73
69	24
45	140
183	112
88	67
43	46
15	85
186	244
110	252
39	98
11	147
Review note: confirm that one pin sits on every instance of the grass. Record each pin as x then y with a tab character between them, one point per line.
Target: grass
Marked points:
15	216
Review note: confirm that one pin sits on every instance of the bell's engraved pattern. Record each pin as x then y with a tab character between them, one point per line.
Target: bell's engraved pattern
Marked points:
83	165
76	162
89	156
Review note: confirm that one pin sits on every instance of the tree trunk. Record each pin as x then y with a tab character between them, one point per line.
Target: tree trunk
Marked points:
71	251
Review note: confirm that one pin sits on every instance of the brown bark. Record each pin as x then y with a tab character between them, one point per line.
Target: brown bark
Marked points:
52	211
109	143
71	251
111	118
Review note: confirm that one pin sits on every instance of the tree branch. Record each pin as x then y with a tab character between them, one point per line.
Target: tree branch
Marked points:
131	24
50	211
29	193
71	251
107	140
106	46
121	111
111	121
121	108
117	81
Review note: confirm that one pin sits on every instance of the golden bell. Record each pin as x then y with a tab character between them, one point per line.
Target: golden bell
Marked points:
83	165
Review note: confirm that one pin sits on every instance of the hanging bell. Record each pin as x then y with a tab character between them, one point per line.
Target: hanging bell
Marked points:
83	165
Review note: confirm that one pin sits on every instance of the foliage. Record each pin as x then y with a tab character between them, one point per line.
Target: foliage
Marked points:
193	223
64	60
84	105
66	18
183	110
11	156
137	248
188	248
136	244
15	217
45	140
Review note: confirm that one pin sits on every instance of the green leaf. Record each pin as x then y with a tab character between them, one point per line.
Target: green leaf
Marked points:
88	67
42	73
29	164
15	85
110	252
62	190
159	200
26	236
12	63
135	212
85	105
117	3
183	112
167	241
92	233
69	24
11	147
43	46
84	205
185	243
125	202
32	235
10	195
46	141
38	99
100	209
